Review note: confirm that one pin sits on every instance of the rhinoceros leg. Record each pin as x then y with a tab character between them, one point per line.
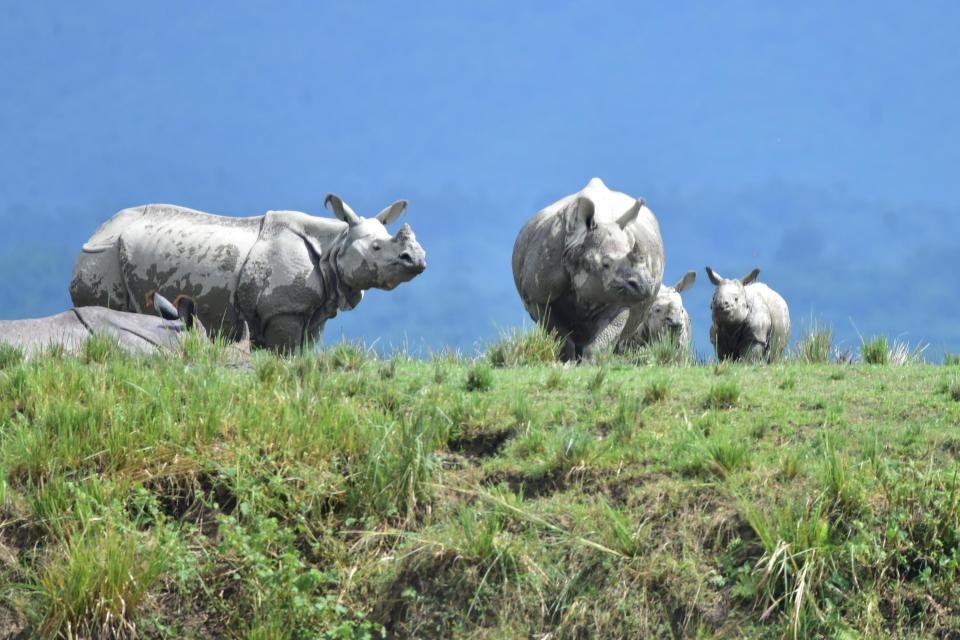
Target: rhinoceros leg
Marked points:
607	334
98	280
285	333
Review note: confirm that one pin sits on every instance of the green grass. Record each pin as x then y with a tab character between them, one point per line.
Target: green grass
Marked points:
338	494
815	345
874	350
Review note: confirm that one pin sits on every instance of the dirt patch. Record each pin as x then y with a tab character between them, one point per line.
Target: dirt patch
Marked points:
480	444
13	624
191	499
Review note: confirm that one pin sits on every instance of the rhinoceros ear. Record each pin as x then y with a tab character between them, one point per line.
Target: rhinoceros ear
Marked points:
750	277
582	213
341	209
391	213
714	276
630	214
685	282
161	305
186	309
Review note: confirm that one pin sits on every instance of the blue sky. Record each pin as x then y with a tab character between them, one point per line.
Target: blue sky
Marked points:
482	113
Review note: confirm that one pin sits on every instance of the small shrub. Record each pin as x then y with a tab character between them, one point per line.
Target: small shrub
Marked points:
388	371
555	380
480	377
791	466
100	347
723	395
843	355
793	573
657	391
727	455
951	359
901	353
952	389
626	419
518	348
10	356
788	383
95	585
345	356
663	350
815	346
627	536
874	350
596	382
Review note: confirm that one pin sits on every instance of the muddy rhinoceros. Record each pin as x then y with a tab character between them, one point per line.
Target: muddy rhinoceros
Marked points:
134	332
751	321
667	315
284	273
589	266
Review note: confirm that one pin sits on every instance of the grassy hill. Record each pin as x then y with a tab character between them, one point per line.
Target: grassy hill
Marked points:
342	496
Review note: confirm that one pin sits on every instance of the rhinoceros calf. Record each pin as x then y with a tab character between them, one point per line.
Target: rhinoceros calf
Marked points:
667	315
751	321
135	333
589	266
283	274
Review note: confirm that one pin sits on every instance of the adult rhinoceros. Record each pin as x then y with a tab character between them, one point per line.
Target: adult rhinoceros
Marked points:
134	332
589	266
284	273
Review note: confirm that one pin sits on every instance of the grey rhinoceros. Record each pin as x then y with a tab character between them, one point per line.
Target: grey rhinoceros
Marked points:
134	332
751	321
284	273
589	266
667	315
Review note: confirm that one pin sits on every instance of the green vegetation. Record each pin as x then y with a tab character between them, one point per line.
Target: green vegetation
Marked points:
874	350
815	344
340	495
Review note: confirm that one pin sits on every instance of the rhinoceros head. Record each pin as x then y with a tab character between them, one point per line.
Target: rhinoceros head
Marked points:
370	257
667	312
606	264
729	304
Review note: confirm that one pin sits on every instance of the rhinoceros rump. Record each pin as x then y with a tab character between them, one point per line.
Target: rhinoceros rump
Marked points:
135	333
284	273
589	266
751	321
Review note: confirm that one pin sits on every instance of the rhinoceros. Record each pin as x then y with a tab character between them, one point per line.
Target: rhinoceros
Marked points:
588	267
283	274
667	315
134	332
751	321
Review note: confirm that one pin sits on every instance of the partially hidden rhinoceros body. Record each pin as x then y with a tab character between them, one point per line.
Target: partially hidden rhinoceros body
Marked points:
134	332
668	316
589	266
751	321
284	273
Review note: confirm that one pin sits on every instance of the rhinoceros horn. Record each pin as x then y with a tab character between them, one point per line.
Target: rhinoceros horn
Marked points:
341	209
630	214
405	233
391	213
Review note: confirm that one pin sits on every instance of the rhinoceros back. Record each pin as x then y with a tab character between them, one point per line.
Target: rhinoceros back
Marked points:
173	250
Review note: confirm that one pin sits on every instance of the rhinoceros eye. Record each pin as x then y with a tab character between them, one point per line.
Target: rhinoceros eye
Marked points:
606	263
375	246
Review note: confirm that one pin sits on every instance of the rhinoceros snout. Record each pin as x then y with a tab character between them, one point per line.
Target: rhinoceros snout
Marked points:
415	263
